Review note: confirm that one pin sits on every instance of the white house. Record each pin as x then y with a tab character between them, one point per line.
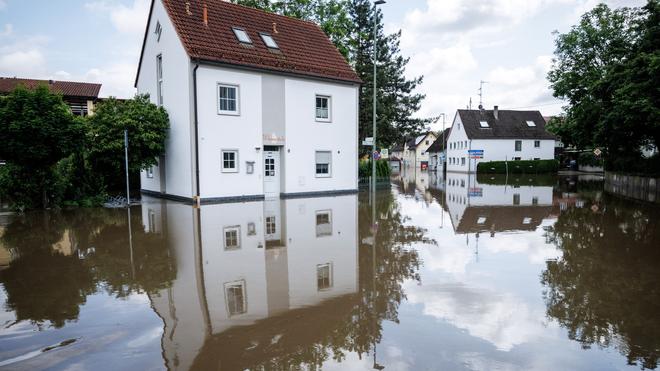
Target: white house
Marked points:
437	152
260	105
502	135
414	151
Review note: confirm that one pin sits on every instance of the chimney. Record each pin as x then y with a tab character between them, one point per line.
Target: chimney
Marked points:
188	8
495	112
205	15
275	28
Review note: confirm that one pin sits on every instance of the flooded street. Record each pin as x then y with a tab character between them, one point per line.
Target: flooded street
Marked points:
462	273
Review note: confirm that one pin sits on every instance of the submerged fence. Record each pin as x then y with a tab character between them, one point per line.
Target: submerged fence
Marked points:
636	187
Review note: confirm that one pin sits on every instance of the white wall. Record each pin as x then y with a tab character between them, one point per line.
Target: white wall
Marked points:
242	132
494	149
305	250
305	135
176	100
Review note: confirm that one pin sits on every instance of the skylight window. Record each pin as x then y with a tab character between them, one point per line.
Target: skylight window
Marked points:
484	124
269	41
242	35
530	123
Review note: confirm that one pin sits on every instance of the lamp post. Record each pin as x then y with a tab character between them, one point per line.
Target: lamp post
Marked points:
373	152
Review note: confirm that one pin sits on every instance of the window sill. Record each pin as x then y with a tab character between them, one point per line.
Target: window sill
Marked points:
230	171
323	120
229	113
323	176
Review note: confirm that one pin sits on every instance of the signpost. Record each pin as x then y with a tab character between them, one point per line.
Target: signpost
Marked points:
368	141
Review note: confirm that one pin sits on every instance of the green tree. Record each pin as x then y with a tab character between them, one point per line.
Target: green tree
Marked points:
37	130
147	126
606	68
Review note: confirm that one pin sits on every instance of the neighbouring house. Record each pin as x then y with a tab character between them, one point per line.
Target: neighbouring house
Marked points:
260	105
80	96
414	150
501	135
437	152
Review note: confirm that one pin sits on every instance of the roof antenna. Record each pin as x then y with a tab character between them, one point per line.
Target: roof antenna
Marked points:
481	93
470	104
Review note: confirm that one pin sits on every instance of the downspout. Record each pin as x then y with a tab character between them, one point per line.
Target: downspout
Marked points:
196	123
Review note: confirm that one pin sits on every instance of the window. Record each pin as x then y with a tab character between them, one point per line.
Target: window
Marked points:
527	220
249	167
530	123
481	220
518	145
516	198
242	35
483	124
323	223
427	142
324	276
159	79
150	172
251	229
270	225
269	41
229	161
269	167
323	163
466	144
235	297
537	144
227	99
536	158
232	237
535	200
462	161
516	159
152	221
158	31
322	108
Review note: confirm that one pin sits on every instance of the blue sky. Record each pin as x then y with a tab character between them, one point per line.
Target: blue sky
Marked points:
453	43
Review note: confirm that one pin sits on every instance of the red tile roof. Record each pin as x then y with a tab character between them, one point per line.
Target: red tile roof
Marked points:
304	49
66	88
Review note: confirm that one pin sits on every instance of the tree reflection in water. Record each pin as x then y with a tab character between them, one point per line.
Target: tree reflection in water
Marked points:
305	338
61	257
604	289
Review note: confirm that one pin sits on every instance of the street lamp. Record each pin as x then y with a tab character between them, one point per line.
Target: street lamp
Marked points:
373	152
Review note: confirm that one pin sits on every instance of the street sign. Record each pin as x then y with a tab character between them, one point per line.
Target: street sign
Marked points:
597	152
476	153
376	155
368	141
385	153
475	192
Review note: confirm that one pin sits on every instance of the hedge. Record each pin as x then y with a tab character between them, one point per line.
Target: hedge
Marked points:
519	167
382	169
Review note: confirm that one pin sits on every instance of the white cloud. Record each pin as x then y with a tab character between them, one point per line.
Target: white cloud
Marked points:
117	79
126	19
504	320
8	29
29	62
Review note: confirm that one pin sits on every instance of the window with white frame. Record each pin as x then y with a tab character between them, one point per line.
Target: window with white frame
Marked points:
324	276
530	123
537	144
232	237
150	172
159	79
483	124
323	108
242	35
323	223
235	297
269	41
229	161
518	145
481	220
462	161
270	225
228	99
323	163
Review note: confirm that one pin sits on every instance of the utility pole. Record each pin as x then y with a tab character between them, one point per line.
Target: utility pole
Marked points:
373	152
481	93
128	189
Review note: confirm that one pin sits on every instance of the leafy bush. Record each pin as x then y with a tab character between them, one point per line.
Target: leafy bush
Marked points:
519	167
382	169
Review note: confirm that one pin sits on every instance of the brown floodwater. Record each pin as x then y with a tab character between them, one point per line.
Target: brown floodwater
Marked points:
461	273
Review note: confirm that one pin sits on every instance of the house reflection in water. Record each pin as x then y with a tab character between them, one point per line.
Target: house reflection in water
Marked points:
245	268
494	204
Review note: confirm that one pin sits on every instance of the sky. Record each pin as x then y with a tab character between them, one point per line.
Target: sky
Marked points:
454	44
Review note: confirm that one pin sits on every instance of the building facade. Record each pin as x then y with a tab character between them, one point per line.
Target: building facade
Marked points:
415	150
252	115
80	96
501	135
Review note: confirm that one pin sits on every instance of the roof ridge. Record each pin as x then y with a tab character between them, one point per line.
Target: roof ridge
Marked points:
264	11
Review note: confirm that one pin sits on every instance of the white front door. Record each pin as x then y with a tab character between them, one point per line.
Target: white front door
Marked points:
272	173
